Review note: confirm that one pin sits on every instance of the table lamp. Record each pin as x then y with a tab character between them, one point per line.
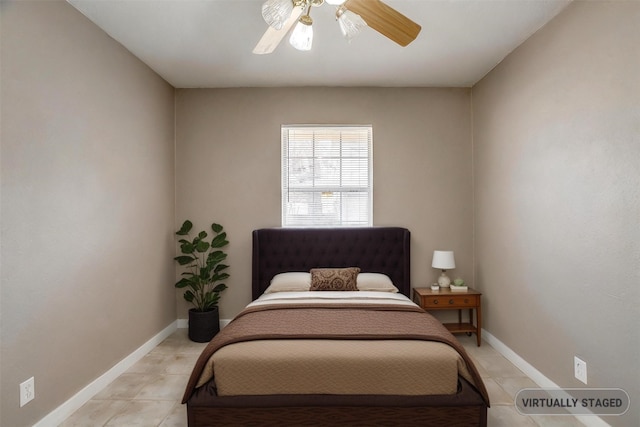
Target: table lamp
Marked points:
444	261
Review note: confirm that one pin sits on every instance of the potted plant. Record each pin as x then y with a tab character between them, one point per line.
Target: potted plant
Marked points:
202	279
458	285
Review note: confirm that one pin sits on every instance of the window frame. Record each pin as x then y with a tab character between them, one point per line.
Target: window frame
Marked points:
339	191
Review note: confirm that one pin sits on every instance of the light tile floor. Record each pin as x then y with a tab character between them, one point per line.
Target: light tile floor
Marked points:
503	381
149	393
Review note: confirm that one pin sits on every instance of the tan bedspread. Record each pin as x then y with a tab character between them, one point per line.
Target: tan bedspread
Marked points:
365	367
408	331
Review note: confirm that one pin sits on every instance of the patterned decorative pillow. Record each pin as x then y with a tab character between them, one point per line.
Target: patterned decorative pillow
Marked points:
334	279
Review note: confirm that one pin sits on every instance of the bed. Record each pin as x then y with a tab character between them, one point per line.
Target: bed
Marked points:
354	356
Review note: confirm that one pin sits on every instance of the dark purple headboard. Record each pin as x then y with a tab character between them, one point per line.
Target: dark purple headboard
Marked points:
374	249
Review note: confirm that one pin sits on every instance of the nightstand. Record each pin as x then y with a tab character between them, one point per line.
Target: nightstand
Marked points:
445	299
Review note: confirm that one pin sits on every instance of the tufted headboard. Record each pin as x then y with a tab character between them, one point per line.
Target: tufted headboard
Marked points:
374	249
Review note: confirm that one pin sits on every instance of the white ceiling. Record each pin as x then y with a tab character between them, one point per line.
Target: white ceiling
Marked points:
208	43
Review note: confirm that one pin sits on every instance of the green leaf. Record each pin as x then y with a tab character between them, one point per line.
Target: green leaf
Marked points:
187	247
189	296
220	267
219	288
205	273
217	228
202	246
211	300
184	282
219	276
184	260
219	241
216	257
186	227
202	235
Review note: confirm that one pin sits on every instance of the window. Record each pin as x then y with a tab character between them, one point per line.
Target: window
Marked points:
326	176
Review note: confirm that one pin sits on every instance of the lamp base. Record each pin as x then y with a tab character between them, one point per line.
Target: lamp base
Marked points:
443	280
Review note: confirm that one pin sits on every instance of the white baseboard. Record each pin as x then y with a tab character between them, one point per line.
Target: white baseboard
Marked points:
62	412
537	376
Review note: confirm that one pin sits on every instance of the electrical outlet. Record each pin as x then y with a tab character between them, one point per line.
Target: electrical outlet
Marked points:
27	391
580	369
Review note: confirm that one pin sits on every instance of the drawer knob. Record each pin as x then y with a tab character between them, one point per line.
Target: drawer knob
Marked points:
451	301
435	301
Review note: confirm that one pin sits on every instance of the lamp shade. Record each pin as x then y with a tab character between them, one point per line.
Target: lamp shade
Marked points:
276	12
443	260
302	35
350	23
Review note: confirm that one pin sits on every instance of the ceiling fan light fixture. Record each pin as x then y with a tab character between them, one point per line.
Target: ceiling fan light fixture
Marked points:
276	12
352	17
302	35
350	23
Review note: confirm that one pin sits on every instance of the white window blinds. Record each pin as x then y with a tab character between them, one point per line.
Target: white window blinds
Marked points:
327	176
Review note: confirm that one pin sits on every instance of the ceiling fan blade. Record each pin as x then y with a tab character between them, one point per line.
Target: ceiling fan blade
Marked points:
385	20
272	37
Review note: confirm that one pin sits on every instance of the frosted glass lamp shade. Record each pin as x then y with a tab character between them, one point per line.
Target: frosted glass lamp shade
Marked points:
276	12
302	35
350	24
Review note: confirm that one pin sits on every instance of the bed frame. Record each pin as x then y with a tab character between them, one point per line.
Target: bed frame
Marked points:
378	250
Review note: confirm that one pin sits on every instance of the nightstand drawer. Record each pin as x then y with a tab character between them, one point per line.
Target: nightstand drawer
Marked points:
449	301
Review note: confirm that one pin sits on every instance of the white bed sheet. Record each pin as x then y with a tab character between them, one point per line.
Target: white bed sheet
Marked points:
330	297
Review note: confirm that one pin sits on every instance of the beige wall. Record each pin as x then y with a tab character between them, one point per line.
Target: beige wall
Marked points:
557	160
87	176
87	205
228	166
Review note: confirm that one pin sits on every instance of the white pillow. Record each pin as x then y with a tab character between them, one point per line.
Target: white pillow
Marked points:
375	282
290	282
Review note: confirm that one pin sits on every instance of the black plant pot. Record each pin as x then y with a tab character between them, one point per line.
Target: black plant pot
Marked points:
203	325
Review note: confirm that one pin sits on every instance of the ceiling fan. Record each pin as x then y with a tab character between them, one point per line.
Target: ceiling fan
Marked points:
352	17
